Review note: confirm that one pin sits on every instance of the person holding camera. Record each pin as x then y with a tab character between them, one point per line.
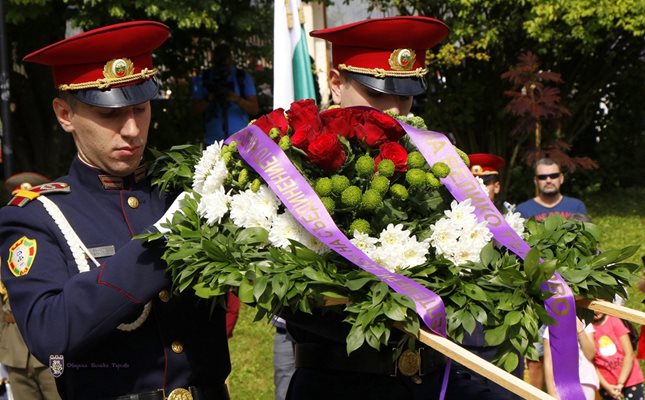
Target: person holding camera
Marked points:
225	95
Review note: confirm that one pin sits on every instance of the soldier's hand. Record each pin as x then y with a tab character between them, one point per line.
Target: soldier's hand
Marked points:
166	219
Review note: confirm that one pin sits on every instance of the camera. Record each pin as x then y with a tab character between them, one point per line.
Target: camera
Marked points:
217	81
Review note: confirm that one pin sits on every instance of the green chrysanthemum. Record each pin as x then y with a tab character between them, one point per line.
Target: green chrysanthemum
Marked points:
399	191
243	177
416	160
323	186
285	143
361	225
386	167
365	165
274	133
440	169
380	183
339	183
351	196
416	178
329	204
371	200
255	185
432	180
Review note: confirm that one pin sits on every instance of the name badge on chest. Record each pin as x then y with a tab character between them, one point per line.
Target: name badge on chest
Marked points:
102	251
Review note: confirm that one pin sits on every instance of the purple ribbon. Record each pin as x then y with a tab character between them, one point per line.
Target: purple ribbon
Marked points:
461	183
273	165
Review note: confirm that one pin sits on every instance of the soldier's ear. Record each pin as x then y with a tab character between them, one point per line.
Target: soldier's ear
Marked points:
335	85
63	112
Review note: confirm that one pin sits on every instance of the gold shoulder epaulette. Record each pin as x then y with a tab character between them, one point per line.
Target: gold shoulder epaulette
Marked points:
22	196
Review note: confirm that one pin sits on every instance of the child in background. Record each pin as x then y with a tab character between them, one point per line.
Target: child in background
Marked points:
620	374
586	369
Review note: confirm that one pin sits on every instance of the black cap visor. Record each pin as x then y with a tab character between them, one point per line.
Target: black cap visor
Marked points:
123	96
391	85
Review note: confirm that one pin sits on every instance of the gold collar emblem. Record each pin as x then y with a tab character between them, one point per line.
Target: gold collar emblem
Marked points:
118	68
402	59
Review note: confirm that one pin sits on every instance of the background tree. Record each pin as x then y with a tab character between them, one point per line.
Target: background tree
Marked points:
597	47
196	26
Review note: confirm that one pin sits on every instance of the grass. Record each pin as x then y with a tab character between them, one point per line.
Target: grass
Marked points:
619	214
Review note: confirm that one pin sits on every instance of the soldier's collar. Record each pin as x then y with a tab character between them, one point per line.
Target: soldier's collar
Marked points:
111	182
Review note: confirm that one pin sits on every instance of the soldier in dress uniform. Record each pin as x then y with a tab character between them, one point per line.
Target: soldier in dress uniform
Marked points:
487	167
28	377
378	63
90	301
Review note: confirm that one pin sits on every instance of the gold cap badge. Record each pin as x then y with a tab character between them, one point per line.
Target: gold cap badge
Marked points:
402	59
118	68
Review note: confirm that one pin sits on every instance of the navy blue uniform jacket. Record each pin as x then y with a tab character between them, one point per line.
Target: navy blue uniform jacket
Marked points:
63	312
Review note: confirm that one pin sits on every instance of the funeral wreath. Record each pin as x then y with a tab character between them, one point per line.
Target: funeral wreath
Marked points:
233	233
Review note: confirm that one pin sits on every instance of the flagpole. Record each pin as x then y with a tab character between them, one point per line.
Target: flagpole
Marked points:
7	151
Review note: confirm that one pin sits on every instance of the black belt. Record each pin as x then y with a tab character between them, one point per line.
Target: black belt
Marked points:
196	393
421	362
281	331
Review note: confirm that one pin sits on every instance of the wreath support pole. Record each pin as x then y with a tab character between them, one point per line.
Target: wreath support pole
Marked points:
613	309
452	350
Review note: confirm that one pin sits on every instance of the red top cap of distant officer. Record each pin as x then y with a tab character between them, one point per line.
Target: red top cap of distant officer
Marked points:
109	66
385	54
485	164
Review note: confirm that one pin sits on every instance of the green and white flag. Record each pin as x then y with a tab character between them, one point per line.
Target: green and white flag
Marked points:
292	74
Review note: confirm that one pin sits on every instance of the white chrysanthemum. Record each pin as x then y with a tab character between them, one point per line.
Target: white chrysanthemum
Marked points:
393	235
387	259
478	235
364	242
516	222
209	157
250	209
414	253
213	206
285	227
216	177
458	236
461	213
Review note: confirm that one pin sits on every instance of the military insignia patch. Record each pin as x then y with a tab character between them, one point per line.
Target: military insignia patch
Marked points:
56	365
21	256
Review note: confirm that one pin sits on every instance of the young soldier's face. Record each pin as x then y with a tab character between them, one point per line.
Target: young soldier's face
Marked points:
111	139
350	93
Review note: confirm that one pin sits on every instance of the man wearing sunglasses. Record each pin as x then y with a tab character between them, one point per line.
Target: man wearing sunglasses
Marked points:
548	179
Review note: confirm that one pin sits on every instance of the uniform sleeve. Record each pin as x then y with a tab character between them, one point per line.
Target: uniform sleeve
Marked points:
58	309
249	85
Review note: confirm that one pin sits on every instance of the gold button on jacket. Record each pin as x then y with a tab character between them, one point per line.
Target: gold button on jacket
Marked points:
177	347
133	202
164	296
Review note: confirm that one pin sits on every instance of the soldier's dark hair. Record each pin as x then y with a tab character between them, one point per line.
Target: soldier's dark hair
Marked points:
68	97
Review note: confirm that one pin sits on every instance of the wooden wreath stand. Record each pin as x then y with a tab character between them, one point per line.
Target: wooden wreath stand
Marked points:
497	374
500	376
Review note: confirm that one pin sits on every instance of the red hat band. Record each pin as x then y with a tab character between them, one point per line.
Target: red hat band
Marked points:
401	62
115	72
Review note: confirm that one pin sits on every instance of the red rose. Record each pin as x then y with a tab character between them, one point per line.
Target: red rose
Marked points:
395	152
338	121
305	121
274	119
372	134
326	152
390	125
